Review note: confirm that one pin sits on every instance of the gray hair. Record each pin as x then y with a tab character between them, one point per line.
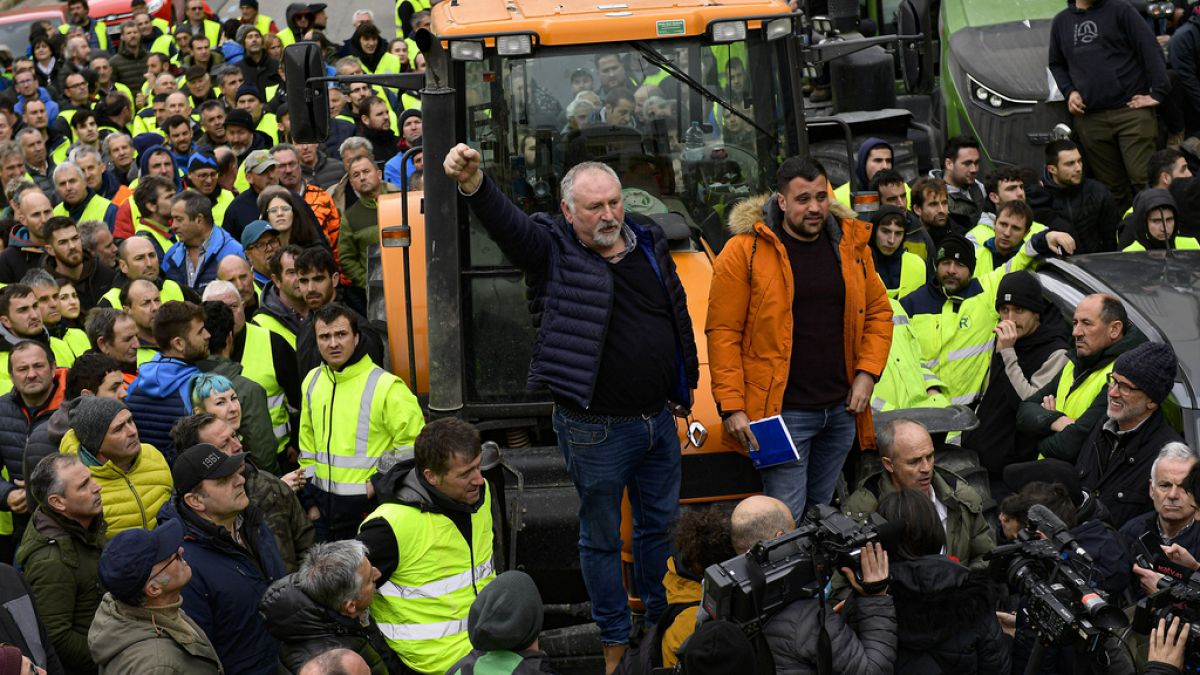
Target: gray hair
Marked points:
17	187
88	229
79	150
356	143
69	166
579	105
223	70
11	148
112	137
218	288
45	480
329	572
287	147
1173	450
885	435
27	131
38	277
567	187
366	12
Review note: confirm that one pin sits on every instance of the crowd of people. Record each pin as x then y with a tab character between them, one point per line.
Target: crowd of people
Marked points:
206	467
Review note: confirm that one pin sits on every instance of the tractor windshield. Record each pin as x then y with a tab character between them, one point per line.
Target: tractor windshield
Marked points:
680	153
691	145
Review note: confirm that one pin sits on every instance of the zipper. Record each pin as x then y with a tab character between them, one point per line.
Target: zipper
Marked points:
138	499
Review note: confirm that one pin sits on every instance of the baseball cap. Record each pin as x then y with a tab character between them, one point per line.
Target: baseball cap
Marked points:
254	231
130	557
203	462
258	162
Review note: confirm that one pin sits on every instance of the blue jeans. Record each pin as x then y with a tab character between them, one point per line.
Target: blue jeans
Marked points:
823	439
604	459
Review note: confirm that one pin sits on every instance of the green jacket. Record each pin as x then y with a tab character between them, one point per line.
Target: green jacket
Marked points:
285	516
61	560
150	641
360	231
968	534
258	437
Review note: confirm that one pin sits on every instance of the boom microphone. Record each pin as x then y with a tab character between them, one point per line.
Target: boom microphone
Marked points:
1056	530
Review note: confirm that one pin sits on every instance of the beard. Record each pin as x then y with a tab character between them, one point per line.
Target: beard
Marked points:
605	239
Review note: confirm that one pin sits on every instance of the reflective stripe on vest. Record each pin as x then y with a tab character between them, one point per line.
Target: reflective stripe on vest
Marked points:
258	365
343	474
1073	401
426	624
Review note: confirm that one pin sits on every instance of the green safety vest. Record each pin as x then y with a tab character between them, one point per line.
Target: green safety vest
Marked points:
5	378
139	228
77	340
269	125
417	6
1181	244
1074	398
100	30
905	381
286	37
275	326
957	346
344	429
64	356
6	521
389	63
145	354
96	209
169	291
258	365
163	44
263	24
984	258
220	206
422	608
912	275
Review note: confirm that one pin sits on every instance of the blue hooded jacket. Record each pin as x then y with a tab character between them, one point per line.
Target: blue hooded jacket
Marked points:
161	394
219	245
145	155
864	150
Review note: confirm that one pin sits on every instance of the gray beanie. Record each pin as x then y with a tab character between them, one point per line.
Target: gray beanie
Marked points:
507	615
242	31
91	417
1151	367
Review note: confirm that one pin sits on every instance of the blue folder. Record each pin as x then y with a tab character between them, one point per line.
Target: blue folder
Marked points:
774	443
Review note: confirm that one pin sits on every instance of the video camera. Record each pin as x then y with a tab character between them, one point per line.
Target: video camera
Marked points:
1062	607
751	588
1178	595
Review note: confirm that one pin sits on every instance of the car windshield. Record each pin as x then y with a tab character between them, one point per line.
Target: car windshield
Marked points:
687	148
15	35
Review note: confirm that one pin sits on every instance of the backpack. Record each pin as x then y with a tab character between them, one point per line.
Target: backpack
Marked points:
646	657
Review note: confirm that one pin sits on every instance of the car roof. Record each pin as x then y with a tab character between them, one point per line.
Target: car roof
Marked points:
1162	287
33	13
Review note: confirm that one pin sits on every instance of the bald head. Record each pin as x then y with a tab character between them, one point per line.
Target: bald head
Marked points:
336	662
756	519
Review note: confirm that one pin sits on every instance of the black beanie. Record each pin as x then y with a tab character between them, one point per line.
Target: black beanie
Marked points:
1022	289
1151	367
507	615
1017	476
957	247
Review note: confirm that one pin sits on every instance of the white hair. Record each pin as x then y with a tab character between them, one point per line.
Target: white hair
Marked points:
1172	450
217	289
567	187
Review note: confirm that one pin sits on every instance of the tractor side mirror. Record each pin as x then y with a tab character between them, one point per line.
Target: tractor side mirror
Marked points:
308	104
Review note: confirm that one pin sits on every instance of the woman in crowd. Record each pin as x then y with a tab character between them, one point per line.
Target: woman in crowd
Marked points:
295	225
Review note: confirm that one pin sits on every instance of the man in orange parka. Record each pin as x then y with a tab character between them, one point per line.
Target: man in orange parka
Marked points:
799	324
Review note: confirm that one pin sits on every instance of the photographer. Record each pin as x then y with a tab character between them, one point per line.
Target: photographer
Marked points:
944	617
862	635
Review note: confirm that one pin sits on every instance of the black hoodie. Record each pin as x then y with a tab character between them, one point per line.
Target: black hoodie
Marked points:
888	266
1136	227
1108	54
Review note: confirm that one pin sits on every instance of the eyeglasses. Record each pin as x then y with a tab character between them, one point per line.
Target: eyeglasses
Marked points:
1123	388
269	244
170	561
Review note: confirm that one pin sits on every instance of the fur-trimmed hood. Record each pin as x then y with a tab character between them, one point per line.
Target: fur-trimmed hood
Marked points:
764	208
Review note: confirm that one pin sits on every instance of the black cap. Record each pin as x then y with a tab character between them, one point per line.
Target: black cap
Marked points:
717	648
203	462
1022	289
1151	367
239	118
130	557
954	247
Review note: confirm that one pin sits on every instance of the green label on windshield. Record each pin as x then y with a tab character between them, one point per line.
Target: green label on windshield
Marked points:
670	27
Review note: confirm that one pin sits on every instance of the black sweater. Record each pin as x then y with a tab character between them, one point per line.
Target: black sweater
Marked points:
1106	53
